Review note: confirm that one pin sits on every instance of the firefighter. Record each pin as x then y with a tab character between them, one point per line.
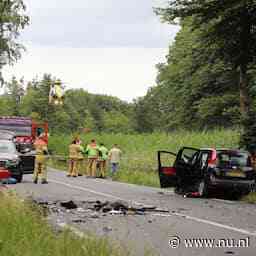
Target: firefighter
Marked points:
92	150
103	157
56	93
40	159
74	152
80	160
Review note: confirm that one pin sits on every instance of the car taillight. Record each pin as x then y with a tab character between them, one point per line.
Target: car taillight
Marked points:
213	159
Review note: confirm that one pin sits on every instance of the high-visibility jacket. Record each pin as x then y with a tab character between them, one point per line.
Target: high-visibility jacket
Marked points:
103	153
92	150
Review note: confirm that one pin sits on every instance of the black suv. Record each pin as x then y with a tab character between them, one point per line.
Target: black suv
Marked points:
200	170
26	154
10	159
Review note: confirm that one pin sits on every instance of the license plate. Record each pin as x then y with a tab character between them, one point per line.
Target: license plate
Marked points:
238	174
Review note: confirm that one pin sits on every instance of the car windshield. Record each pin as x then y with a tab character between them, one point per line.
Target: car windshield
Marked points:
7	147
229	159
6	135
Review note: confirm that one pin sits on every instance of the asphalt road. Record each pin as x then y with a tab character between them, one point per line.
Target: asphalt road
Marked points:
188	218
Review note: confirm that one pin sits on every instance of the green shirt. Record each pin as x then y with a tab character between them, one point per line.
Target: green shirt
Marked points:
92	150
103	153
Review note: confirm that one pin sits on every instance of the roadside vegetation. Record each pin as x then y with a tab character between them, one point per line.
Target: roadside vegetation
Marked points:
24	232
139	161
251	198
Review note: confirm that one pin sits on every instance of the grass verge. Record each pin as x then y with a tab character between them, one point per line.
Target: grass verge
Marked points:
251	198
139	161
23	232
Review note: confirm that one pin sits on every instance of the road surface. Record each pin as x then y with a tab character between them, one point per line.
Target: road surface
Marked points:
227	223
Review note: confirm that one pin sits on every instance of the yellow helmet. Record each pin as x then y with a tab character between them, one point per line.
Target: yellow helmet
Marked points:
57	81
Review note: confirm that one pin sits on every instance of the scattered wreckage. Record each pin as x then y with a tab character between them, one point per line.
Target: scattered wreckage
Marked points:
195	172
83	210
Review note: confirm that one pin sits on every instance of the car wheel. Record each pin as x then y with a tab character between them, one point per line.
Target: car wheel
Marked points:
20	178
202	188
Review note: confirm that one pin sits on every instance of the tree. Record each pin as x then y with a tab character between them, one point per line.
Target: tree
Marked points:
192	92
229	28
14	92
12	20
116	122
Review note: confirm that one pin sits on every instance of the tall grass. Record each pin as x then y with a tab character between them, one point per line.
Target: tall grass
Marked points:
23	232
139	162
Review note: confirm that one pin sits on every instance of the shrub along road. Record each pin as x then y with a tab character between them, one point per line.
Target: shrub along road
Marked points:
185	218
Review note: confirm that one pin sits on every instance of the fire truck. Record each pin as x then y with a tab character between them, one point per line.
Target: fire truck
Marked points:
24	128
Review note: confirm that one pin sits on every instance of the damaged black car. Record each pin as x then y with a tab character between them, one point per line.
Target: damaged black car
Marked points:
10	159
203	170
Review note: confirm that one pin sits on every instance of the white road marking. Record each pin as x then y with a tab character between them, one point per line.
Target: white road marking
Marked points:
165	191
223	201
86	190
212	223
216	224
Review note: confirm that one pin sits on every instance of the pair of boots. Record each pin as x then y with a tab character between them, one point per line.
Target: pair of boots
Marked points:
44	181
71	175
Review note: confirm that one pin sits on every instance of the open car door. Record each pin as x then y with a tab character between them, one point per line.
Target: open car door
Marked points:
186	166
177	169
166	169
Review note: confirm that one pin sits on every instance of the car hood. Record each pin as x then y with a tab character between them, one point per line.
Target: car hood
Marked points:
6	156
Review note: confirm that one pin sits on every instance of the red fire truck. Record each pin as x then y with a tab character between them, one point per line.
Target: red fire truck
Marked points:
24	128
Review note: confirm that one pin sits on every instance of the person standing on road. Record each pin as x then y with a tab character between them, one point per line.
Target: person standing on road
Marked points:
115	157
103	157
80	164
74	153
41	159
92	150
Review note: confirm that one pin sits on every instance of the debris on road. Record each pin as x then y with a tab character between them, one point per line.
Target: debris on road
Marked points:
68	205
107	229
82	210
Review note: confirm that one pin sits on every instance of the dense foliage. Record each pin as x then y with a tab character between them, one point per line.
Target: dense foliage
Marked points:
208	80
81	110
195	89
12	20
225	31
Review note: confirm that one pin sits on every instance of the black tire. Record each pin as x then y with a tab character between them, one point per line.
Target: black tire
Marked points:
20	178
202	188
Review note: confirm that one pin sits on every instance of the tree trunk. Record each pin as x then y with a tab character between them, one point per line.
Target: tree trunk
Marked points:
244	92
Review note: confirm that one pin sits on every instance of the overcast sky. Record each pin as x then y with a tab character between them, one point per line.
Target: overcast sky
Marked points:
103	46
